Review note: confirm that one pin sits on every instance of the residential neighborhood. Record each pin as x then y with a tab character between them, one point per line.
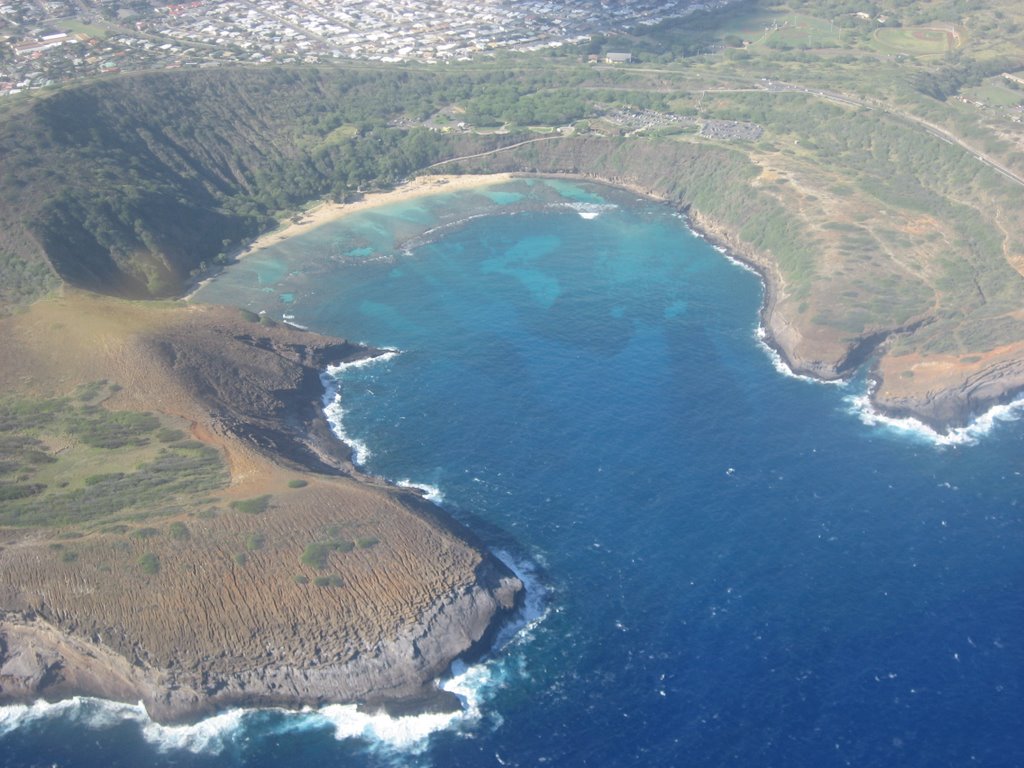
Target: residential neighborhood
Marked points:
43	43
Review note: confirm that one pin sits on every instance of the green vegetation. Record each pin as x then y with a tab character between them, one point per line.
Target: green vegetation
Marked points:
915	41
297	483
301	580
317	553
165	435
255	541
868	181
254	506
334	580
101	428
179	531
366	542
259	143
149	563
140	476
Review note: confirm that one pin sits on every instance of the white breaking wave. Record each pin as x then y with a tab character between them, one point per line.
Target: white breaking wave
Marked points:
969	435
473	685
411	733
333	410
208	736
535	608
589	210
430	492
733	260
782	367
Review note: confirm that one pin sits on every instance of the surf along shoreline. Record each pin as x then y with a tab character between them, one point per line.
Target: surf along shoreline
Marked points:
254	392
936	415
308	399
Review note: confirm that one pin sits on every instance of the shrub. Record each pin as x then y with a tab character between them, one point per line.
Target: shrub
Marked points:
301	580
101	428
145	533
255	541
315	555
149	563
297	483
10	491
69	556
252	506
241	558
166	435
180	532
109	477
334	580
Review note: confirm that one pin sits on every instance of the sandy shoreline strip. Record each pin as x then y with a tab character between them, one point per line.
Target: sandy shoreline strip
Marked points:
326	211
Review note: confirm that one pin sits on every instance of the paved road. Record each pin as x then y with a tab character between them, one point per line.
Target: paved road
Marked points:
843	98
494	151
931	128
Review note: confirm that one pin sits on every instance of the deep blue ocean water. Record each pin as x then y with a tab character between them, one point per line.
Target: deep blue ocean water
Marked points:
727	565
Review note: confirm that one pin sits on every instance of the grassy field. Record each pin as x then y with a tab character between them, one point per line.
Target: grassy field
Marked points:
914	41
795	30
994	93
68	461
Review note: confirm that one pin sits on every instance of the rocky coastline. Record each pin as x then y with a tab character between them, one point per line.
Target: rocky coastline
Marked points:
949	405
206	634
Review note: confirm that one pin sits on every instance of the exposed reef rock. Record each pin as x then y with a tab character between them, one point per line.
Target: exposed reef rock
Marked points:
41	660
373	622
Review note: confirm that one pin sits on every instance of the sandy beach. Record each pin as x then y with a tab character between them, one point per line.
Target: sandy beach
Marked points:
326	211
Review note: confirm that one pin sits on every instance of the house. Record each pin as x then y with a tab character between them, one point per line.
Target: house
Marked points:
618	58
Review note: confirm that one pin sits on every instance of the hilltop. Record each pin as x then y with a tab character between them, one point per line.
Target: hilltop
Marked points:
847	163
869	164
189	532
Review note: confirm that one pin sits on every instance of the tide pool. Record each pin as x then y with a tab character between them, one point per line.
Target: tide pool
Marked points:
726	565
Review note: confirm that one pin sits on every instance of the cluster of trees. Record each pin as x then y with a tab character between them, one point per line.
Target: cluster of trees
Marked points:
516	104
132	184
951	78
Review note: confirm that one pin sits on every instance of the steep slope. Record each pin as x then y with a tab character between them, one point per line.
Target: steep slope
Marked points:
127	186
294	584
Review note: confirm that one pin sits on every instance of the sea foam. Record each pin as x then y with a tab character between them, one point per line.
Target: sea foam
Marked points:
589	210
474	685
335	413
862	406
208	736
780	365
430	492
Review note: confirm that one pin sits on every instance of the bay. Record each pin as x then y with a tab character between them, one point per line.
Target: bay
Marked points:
727	566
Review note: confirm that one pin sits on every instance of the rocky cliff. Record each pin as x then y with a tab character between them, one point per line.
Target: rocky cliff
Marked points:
826	311
237	612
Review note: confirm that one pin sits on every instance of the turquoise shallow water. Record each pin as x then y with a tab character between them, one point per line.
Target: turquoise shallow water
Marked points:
728	567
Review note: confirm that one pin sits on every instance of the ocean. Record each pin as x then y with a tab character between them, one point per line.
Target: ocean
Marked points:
727	565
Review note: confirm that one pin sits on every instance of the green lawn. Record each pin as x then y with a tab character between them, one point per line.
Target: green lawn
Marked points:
995	94
913	41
